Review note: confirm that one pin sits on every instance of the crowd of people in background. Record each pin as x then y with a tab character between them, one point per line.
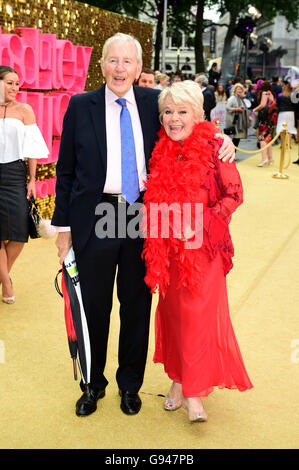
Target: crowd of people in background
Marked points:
260	104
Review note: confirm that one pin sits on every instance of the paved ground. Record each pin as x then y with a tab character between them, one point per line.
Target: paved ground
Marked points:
37	390
247	144
250	144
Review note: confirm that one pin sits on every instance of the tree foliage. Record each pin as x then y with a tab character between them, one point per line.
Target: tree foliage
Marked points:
179	16
269	10
187	16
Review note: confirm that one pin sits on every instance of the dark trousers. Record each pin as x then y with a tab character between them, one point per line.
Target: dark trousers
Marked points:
236	142
99	264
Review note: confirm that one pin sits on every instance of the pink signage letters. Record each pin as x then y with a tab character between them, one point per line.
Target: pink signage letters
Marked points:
56	69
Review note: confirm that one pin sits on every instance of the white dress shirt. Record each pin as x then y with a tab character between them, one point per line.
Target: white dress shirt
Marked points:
113	110
113	136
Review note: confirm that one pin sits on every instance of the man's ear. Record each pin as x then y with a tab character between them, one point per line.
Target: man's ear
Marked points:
139	69
102	67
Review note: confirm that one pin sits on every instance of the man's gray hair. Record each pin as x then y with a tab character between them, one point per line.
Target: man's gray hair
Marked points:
202	79
123	38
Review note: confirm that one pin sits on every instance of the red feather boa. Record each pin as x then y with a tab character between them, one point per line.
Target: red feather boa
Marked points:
172	181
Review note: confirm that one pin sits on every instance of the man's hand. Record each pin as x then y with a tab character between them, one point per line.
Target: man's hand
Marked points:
63	243
187	234
227	150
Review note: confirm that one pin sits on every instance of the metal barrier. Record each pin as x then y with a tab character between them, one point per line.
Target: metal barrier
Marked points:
285	146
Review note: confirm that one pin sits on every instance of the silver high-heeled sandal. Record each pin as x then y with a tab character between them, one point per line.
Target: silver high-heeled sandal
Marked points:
201	416
198	416
170	404
9	300
264	163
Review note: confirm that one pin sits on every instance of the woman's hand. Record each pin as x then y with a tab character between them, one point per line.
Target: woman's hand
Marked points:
31	191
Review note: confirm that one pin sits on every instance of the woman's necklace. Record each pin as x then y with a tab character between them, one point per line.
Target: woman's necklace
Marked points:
180	154
5	108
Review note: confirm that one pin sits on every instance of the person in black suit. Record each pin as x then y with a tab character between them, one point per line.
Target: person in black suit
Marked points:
89	173
214	75
209	100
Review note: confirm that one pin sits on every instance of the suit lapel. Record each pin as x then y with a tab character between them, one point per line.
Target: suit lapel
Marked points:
98	116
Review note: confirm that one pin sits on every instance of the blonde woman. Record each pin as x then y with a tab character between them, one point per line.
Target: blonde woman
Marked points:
237	114
163	81
195	340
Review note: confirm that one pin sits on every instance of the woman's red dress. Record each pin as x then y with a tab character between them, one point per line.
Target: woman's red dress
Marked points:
195	339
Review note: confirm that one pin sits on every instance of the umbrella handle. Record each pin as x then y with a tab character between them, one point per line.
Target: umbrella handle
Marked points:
75	369
56	283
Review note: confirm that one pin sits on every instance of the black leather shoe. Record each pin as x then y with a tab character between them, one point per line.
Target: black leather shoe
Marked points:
296	162
87	404
130	402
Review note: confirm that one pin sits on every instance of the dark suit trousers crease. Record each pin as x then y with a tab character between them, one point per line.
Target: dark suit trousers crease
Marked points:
98	264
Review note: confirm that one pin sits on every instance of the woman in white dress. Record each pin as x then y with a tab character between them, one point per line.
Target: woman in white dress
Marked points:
286	110
20	139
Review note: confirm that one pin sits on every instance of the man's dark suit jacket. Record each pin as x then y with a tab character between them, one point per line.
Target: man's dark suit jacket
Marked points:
82	163
209	102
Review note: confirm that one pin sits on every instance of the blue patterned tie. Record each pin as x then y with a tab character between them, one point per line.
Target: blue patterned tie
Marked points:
130	183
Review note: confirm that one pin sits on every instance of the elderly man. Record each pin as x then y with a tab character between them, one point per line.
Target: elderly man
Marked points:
208	95
147	78
95	163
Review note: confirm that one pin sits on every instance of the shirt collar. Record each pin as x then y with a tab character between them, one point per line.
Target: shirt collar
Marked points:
112	97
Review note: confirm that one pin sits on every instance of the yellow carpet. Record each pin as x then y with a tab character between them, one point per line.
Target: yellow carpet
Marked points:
37	390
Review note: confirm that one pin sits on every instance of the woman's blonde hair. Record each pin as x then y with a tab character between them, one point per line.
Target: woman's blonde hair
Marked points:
181	92
161	76
237	85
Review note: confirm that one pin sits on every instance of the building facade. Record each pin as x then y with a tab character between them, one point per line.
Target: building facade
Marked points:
279	56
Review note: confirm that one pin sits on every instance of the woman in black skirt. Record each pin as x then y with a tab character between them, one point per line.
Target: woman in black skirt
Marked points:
20	139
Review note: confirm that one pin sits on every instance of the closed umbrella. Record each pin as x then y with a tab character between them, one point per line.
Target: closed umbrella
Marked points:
75	318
